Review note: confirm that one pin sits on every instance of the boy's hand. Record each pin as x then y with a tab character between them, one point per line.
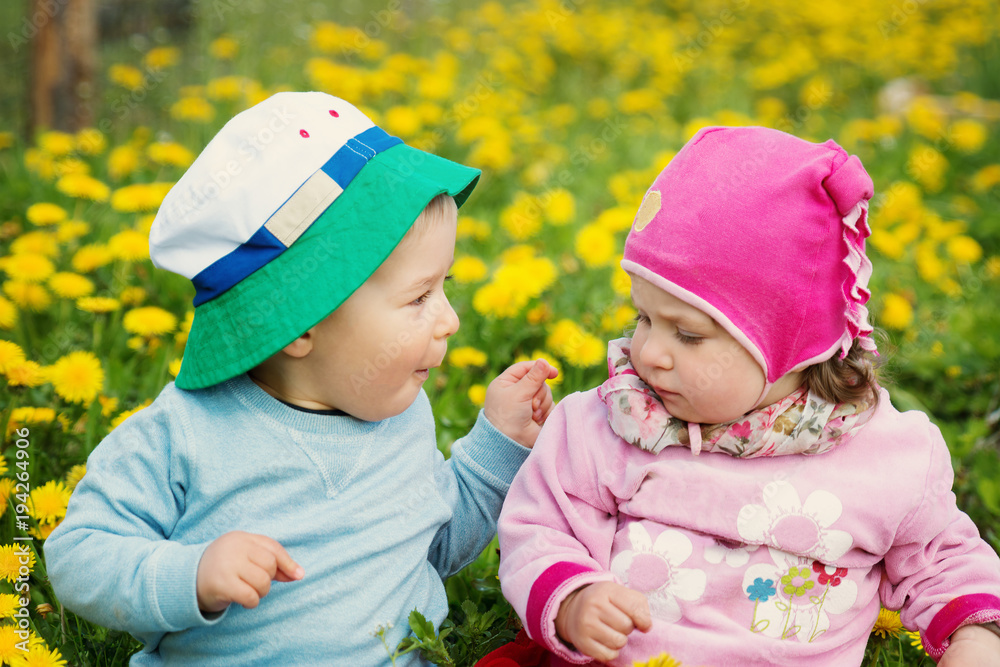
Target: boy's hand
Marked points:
972	645
518	401
598	618
238	567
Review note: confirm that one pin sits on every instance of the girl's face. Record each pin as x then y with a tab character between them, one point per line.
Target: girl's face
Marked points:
696	367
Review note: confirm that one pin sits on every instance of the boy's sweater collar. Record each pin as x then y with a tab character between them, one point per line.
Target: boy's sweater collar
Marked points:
269	408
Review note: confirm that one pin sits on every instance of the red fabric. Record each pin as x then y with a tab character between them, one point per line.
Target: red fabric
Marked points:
522	652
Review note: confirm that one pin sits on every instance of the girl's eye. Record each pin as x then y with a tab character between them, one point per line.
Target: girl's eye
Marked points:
688	340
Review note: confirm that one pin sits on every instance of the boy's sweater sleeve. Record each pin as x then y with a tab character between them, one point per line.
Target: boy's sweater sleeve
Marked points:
939	572
473	483
111	559
557	524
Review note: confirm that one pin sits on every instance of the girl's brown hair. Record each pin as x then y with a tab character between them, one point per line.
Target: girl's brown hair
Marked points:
853	379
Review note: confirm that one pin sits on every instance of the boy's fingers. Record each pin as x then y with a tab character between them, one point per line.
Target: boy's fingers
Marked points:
245	595
283	568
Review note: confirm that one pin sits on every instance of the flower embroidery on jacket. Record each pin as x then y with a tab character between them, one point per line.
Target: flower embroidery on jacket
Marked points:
794	598
653	568
735	556
787	524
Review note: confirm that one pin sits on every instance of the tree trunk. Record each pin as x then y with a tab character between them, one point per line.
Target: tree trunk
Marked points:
63	63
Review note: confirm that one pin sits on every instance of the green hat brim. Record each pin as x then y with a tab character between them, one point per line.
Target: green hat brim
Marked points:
276	304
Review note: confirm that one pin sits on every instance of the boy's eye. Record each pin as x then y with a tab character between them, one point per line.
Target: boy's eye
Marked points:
641	319
421	299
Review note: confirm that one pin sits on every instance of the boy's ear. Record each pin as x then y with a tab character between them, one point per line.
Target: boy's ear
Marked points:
301	346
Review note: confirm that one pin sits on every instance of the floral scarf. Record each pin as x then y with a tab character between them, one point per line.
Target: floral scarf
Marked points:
800	423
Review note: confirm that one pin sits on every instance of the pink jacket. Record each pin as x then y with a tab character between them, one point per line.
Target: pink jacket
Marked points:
765	561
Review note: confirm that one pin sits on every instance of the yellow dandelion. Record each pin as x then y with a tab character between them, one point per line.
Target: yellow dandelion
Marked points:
117	421
47	503
12	558
43	530
463	357
9	652
91	257
621	283
71	166
129	245
69	285
39	655
595	245
9	603
195	109
37	242
45	213
967	135
29	267
174	367
618	319
559	206
184	329
468	269
149	321
123	160
41	163
11	354
6	140
662	660
139	197
402	121
27	296
81	186
162	57
57	144
472	228
953	371
523	218
98	304
71	230
887	624
91	141
77	377
126	76
25	374
224	48
927	166
30	415
897	313
170	153
915	640
3	467
8	314
6	490
132	296
964	249
74	475
477	395
572	343
109	404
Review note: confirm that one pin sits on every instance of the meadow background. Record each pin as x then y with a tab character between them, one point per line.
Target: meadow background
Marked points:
570	108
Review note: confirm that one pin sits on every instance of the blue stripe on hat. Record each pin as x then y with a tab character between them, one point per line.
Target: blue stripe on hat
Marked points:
225	272
264	246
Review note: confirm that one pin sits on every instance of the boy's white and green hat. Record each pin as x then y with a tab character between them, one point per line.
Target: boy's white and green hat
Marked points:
287	211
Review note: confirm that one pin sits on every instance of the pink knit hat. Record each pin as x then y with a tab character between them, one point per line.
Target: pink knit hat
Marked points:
764	232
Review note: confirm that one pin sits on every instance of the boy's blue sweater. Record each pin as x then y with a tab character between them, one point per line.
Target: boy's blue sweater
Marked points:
371	510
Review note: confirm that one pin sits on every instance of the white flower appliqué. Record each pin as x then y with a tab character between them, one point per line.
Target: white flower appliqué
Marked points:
787	524
653	568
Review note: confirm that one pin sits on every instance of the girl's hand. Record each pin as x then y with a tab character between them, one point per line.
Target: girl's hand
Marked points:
518	401
598	618
972	645
239	567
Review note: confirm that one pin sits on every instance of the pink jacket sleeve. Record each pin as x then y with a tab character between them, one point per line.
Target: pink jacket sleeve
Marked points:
558	522
939	572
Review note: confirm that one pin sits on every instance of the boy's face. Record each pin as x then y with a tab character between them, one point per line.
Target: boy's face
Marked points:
371	356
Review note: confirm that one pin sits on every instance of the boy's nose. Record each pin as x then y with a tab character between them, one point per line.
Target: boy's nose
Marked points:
447	322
